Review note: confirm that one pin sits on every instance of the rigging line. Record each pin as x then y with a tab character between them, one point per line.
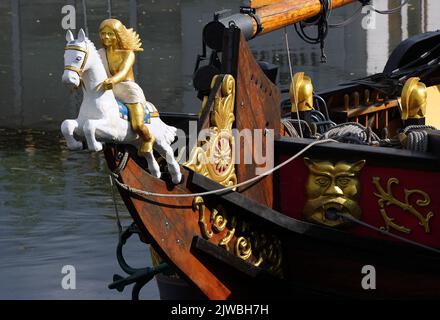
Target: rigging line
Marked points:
143	193
392	10
358	11
385	232
349	20
118	220
84	7
291	80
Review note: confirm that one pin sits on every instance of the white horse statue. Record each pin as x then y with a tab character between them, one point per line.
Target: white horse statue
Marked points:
99	115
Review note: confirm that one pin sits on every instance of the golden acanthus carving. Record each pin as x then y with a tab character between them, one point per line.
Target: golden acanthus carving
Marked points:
386	198
215	157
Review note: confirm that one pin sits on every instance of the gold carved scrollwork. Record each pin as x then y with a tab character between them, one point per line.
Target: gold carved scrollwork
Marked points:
229	235
216	157
250	244
199	205
386	198
218	221
243	248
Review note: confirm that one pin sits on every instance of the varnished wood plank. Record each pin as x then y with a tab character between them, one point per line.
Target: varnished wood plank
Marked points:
172	224
257	3
257	107
287	12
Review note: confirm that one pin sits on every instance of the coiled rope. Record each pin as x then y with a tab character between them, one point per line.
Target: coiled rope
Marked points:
352	132
417	137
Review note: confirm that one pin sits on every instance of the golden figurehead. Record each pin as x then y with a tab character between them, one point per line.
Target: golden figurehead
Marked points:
118	53
414	99
301	90
332	190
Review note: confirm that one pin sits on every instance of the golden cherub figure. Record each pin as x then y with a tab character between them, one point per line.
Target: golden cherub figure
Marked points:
118	53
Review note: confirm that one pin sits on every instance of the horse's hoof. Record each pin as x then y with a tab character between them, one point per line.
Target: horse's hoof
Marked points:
97	147
74	146
158	175
177	178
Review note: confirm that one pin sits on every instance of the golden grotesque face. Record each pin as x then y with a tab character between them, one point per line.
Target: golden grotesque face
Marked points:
332	189
108	37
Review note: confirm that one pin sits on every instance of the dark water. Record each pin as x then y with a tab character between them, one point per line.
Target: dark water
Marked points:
56	207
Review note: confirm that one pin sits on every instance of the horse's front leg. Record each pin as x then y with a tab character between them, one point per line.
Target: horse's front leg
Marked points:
166	152
90	127
67	128
153	166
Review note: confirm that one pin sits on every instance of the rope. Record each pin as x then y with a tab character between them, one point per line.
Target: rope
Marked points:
358	11
417	137
122	164
385	232
290	128
390	11
118	220
146	194
349	20
286	39
352	132
417	141
322	24
308	132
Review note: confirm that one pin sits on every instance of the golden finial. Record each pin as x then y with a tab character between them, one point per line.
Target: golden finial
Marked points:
414	96
302	89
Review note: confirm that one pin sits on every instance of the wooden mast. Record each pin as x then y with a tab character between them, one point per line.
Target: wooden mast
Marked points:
283	13
258	17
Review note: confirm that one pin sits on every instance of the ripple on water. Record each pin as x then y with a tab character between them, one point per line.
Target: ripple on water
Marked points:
56	209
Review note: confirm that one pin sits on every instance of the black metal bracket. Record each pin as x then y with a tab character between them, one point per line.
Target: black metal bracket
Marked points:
252	13
139	276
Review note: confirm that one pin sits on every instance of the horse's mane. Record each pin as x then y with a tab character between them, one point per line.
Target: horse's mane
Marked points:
92	48
91	45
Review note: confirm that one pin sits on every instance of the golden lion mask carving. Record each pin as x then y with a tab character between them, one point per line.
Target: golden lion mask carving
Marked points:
332	189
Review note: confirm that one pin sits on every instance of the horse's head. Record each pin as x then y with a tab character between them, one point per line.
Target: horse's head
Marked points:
75	58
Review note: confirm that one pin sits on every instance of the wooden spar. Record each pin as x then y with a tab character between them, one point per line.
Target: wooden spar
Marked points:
271	16
287	12
258	3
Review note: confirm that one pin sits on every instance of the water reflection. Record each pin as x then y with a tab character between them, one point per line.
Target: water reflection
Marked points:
56	209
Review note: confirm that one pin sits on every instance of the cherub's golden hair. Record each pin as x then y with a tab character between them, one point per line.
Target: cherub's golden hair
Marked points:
128	39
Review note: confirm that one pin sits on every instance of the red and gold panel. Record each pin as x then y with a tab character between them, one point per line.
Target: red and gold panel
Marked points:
405	202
